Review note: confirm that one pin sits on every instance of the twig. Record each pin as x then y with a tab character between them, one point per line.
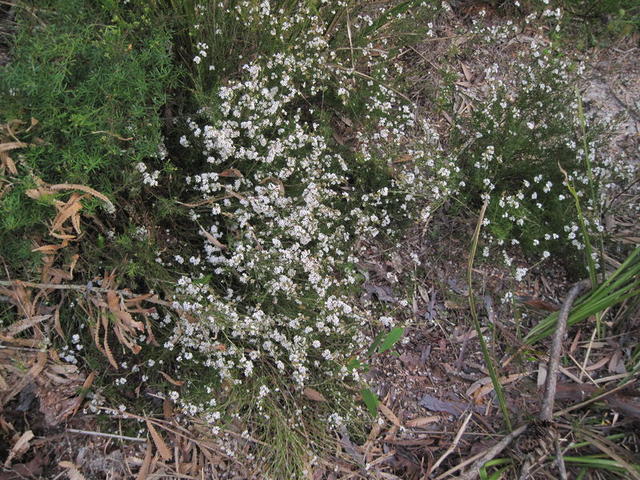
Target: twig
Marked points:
107	435
546	413
560	460
460	466
454	444
491	453
368	77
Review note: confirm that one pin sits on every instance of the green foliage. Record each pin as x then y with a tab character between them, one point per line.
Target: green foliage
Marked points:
371	401
513	149
95	86
621	285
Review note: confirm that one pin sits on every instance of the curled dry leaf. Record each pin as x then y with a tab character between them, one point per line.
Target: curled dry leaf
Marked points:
177	383
231	172
7	163
277	182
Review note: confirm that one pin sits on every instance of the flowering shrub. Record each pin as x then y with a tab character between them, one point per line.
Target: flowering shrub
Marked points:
527	131
288	164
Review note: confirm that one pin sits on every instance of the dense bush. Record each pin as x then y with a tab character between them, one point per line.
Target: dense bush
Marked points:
95	84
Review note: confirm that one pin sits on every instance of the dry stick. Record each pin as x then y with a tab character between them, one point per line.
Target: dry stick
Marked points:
550	387
546	413
490	454
108	435
560	460
454	444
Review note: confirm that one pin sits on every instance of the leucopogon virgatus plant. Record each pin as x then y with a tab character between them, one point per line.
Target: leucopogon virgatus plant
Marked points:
280	204
526	134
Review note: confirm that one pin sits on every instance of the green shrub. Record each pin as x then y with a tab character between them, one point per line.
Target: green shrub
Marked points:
522	136
95	83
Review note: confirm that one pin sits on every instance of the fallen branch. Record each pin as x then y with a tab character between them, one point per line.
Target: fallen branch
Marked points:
546	413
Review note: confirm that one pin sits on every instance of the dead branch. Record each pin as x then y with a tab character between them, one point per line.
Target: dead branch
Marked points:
546	413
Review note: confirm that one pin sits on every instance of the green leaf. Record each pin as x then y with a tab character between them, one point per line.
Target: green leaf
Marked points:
354	363
374	345
371	401
390	340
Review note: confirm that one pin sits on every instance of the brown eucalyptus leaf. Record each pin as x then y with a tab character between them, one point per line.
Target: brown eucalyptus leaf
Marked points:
313	394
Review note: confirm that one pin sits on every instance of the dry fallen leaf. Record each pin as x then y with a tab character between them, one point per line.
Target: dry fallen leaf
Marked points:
72	470
422	421
314	395
20	447
231	172
386	411
483	386
177	383
146	463
159	442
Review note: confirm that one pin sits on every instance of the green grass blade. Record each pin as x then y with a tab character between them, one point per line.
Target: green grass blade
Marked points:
476	323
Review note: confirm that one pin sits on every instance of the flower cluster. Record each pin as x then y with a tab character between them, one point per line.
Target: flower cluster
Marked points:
286	184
